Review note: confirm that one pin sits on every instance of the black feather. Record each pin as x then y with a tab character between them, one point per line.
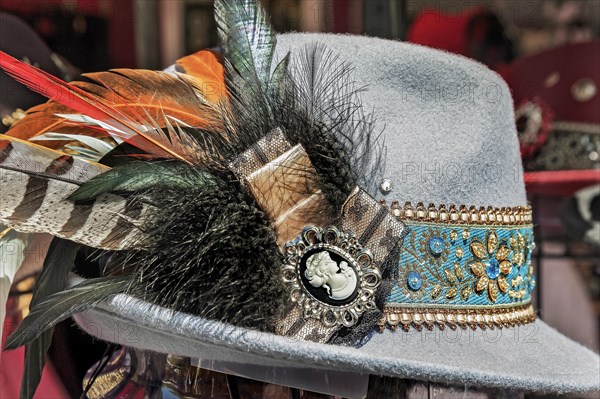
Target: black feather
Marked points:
215	256
59	306
57	264
137	176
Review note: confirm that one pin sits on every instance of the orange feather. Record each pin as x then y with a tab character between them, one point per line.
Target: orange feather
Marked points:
206	67
144	96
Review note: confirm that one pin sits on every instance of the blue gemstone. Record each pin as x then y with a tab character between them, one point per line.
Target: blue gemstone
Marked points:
414	281
436	246
492	268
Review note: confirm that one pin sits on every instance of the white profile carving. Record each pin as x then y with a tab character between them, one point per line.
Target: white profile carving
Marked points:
340	281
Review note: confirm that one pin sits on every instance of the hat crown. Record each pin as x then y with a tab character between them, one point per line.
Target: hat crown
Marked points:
448	122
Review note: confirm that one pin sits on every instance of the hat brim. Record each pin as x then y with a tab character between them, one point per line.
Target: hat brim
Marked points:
560	182
534	357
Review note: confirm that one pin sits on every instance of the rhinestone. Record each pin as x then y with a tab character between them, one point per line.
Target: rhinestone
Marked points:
414	281
453	235
459	252
466	234
492	268
436	246
386	186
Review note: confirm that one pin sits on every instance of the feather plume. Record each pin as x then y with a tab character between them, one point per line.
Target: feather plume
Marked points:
206	229
36	182
248	43
140	176
216	257
127	123
59	306
206	67
315	102
57	264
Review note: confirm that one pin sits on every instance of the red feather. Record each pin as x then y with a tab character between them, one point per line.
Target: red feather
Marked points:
79	100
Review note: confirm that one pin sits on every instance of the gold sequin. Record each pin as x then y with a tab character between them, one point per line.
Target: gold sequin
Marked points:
492	290
492	242
478	269
482	283
478	249
453	235
502	284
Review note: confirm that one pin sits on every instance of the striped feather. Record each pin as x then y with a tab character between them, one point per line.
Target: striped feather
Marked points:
35	185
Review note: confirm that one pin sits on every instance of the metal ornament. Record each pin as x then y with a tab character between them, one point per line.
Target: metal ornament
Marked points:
331	277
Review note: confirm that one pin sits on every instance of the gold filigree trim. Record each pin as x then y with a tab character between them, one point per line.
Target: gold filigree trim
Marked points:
520	215
429	318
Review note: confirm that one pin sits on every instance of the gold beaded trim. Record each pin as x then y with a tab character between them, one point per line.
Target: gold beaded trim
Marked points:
418	318
520	215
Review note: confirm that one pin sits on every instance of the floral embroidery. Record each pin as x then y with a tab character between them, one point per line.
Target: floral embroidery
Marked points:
491	265
432	253
472	265
521	287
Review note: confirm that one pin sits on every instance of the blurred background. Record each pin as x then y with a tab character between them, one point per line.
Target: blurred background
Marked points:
96	34
548	51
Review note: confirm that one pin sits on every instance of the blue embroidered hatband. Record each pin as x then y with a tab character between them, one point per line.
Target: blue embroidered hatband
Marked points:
456	268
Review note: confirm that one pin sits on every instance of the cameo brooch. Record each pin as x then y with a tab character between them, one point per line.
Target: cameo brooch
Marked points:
330	276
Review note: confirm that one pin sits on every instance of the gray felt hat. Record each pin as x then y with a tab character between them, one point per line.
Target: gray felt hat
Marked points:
451	141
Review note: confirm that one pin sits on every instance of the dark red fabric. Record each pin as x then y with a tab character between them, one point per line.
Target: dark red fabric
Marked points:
11	372
561	183
446	32
529	77
340	16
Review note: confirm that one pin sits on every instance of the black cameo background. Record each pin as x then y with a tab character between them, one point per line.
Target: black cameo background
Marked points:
320	293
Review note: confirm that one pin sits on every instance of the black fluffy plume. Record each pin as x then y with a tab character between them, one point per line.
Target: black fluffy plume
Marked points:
215	256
